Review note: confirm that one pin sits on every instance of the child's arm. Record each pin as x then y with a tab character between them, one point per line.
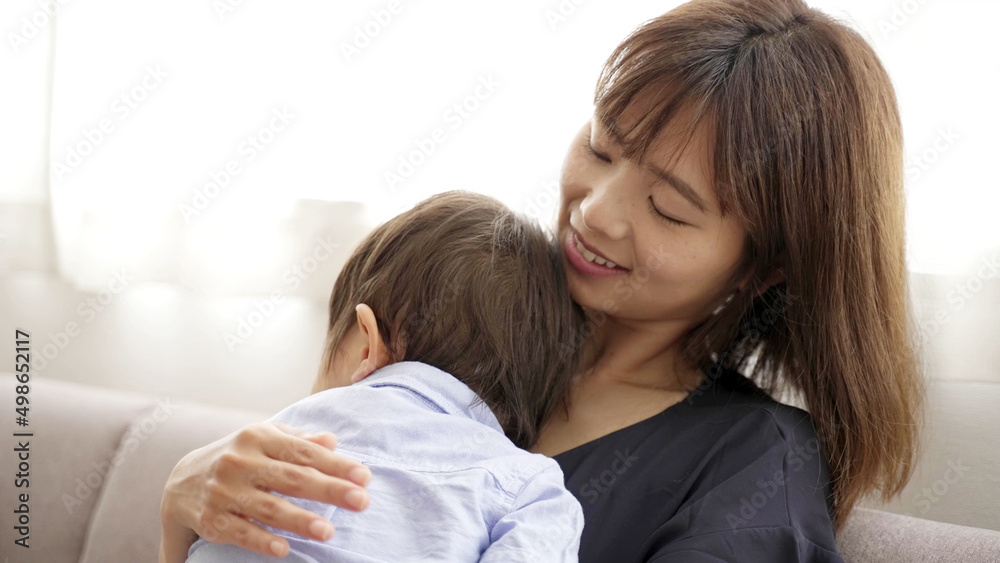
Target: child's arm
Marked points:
544	524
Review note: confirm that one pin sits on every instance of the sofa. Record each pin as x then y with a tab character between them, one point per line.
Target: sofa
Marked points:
98	459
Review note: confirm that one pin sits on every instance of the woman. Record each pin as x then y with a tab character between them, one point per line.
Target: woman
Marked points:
735	205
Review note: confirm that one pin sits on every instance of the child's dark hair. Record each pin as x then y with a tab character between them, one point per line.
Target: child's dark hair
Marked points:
464	284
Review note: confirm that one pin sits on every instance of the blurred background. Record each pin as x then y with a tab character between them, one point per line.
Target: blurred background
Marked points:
181	181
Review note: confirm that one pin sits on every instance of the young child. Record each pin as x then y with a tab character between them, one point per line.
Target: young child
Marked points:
452	338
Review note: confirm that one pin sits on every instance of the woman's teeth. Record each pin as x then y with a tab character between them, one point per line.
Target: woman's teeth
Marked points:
591	257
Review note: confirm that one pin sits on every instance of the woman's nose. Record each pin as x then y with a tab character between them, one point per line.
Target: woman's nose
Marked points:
604	211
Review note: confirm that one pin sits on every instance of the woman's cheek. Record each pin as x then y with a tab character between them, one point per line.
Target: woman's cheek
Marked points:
569	181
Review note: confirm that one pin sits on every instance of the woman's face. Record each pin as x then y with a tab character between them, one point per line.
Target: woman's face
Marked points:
674	255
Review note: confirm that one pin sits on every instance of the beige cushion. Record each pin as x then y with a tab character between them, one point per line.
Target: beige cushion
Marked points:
125	525
883	537
76	430
100	458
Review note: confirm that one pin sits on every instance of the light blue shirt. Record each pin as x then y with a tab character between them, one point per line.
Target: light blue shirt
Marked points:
447	484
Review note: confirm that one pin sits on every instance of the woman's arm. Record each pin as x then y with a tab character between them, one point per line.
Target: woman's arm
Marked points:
220	490
175	541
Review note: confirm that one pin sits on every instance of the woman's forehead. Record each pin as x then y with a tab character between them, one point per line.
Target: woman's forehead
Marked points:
682	147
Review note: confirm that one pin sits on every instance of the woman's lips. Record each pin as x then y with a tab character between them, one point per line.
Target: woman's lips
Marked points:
584	266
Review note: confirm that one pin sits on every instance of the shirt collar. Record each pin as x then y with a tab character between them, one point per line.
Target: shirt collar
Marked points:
443	390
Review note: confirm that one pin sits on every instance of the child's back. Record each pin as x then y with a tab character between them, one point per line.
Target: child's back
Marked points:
449	483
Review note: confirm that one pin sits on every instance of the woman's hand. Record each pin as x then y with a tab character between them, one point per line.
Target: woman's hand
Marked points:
215	491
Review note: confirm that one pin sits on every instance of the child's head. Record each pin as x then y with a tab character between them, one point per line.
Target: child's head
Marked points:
462	283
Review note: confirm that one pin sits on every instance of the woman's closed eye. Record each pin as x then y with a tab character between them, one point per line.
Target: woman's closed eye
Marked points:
663	217
593	152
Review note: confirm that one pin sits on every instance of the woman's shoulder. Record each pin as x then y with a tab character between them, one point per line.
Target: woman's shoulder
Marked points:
762	470
725	393
747	431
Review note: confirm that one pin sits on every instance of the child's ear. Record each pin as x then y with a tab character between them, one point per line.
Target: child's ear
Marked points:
374	354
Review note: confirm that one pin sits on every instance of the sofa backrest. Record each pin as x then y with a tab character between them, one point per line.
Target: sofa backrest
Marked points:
99	460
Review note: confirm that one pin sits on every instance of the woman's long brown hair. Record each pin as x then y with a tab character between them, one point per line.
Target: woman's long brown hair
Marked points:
808	157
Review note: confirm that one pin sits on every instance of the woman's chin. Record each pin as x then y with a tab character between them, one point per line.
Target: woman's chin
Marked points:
587	293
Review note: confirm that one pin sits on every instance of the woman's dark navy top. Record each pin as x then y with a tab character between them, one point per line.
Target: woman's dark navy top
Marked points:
726	475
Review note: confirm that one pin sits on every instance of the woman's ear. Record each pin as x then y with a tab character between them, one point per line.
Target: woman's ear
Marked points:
374	354
774	278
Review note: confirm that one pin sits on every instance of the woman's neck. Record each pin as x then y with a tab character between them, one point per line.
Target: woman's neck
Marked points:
640	355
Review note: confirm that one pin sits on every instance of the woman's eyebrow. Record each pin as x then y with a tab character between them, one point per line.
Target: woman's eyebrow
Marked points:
682	187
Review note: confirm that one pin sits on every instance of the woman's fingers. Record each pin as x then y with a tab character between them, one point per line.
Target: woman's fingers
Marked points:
308	483
293	466
225	527
281	446
222	490
273	510
228	514
326	439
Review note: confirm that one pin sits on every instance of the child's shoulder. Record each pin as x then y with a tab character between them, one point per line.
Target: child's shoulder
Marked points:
517	468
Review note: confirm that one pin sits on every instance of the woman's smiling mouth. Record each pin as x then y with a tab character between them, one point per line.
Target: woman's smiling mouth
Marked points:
588	262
